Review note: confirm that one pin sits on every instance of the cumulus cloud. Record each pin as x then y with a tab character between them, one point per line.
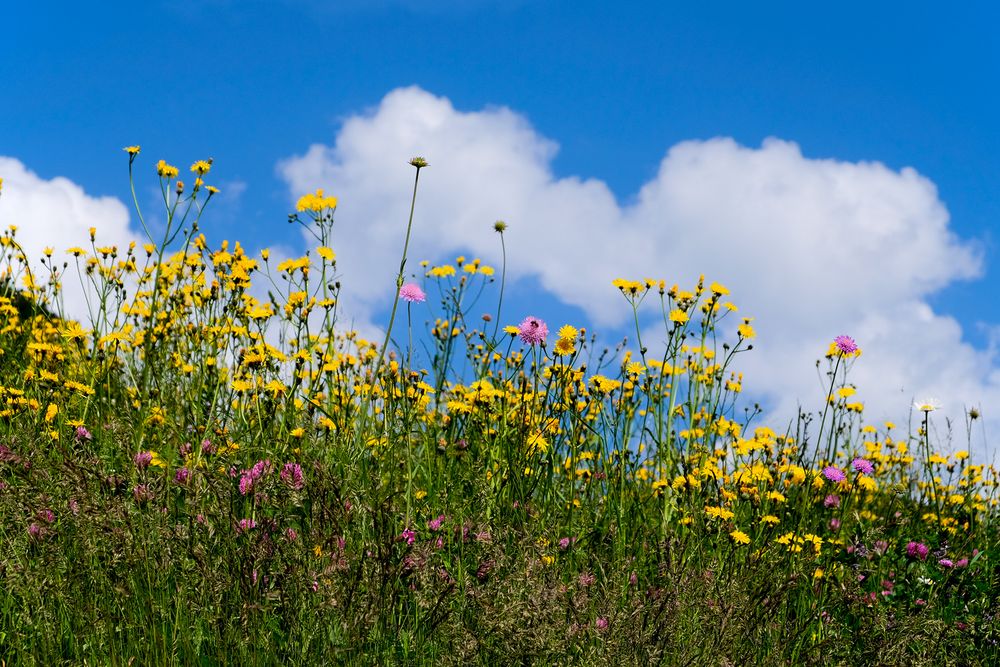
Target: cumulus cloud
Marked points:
812	248
57	213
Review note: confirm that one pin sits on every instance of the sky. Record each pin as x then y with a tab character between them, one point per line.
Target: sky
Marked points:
834	166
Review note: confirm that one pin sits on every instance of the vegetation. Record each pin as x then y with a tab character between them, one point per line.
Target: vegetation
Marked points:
207	471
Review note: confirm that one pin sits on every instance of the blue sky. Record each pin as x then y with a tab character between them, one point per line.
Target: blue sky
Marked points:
615	85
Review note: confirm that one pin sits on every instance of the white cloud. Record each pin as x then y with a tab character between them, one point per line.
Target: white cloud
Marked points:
58	213
811	248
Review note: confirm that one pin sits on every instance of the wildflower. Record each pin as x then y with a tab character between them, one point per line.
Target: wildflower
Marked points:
35	531
917	550
601	623
182	476
845	345
435	524
291	535
946	563
831	500
739	537
165	170
418	162
132	150
586	580
291	474
834	524
864	466
82	434
834	474
142	494
927	405
499	226
142	460
201	167
532	331
411	293
565	543
245	525
407	536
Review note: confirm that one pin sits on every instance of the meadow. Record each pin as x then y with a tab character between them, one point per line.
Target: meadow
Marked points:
211	469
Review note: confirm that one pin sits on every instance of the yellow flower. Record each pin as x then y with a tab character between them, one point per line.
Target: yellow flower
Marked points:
563	346
678	316
201	167
165	170
770	519
739	537
719	513
420	494
717	289
315	202
326	253
568	331
132	150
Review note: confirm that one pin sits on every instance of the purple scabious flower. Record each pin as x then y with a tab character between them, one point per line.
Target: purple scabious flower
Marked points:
532	331
917	550
834	474
291	474
411	293
845	344
864	466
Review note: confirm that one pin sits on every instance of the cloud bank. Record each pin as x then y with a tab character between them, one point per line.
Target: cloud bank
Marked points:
57	213
812	248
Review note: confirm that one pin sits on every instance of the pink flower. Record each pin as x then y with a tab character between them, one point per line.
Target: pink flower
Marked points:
142	494
435	524
532	331
864	466
917	550
845	344
408	536
245	524
182	476
142	460
601	623
831	500
291	474
83	434
411	293
946	563
834	474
